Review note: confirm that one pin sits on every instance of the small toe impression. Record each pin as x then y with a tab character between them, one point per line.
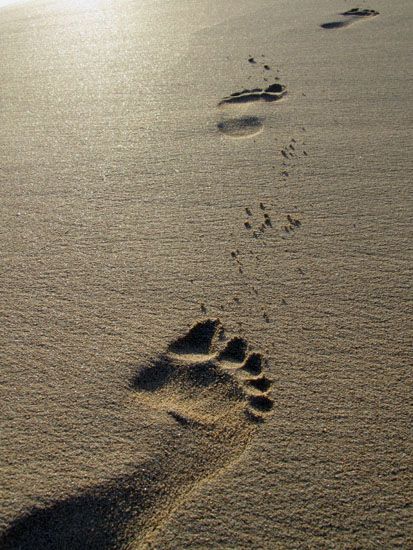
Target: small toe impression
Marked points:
234	351
262	384
253	364
198	340
261	403
254	416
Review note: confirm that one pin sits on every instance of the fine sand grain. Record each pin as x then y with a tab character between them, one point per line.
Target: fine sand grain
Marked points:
205	274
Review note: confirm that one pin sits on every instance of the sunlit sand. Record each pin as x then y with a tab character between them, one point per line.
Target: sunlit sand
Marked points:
204	219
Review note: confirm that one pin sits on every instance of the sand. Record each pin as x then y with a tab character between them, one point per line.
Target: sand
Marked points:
138	200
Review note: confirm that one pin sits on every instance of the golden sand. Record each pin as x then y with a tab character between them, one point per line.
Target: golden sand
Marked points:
241	168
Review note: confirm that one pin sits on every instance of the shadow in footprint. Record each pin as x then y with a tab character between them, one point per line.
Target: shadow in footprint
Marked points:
198	340
263	384
234	351
253	364
154	378
245	126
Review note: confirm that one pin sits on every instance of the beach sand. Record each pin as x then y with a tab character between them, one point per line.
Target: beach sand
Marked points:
241	168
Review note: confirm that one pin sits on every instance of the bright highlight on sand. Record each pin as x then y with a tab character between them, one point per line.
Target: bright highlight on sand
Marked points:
9	2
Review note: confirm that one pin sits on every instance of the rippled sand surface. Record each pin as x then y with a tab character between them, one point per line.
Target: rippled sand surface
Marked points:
205	266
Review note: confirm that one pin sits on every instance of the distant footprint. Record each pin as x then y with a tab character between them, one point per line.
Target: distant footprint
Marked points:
274	92
350	16
235	125
243	126
215	393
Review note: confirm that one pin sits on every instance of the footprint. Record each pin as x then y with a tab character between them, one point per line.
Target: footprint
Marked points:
236	125
211	393
274	92
205	379
244	126
292	226
350	16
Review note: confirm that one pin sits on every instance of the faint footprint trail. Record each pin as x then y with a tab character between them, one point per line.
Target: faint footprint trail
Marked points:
215	394
349	17
236	125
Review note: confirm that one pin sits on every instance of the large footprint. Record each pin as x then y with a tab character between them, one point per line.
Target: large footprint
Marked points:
215	393
196	382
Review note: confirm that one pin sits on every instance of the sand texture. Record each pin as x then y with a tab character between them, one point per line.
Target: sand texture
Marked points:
205	220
